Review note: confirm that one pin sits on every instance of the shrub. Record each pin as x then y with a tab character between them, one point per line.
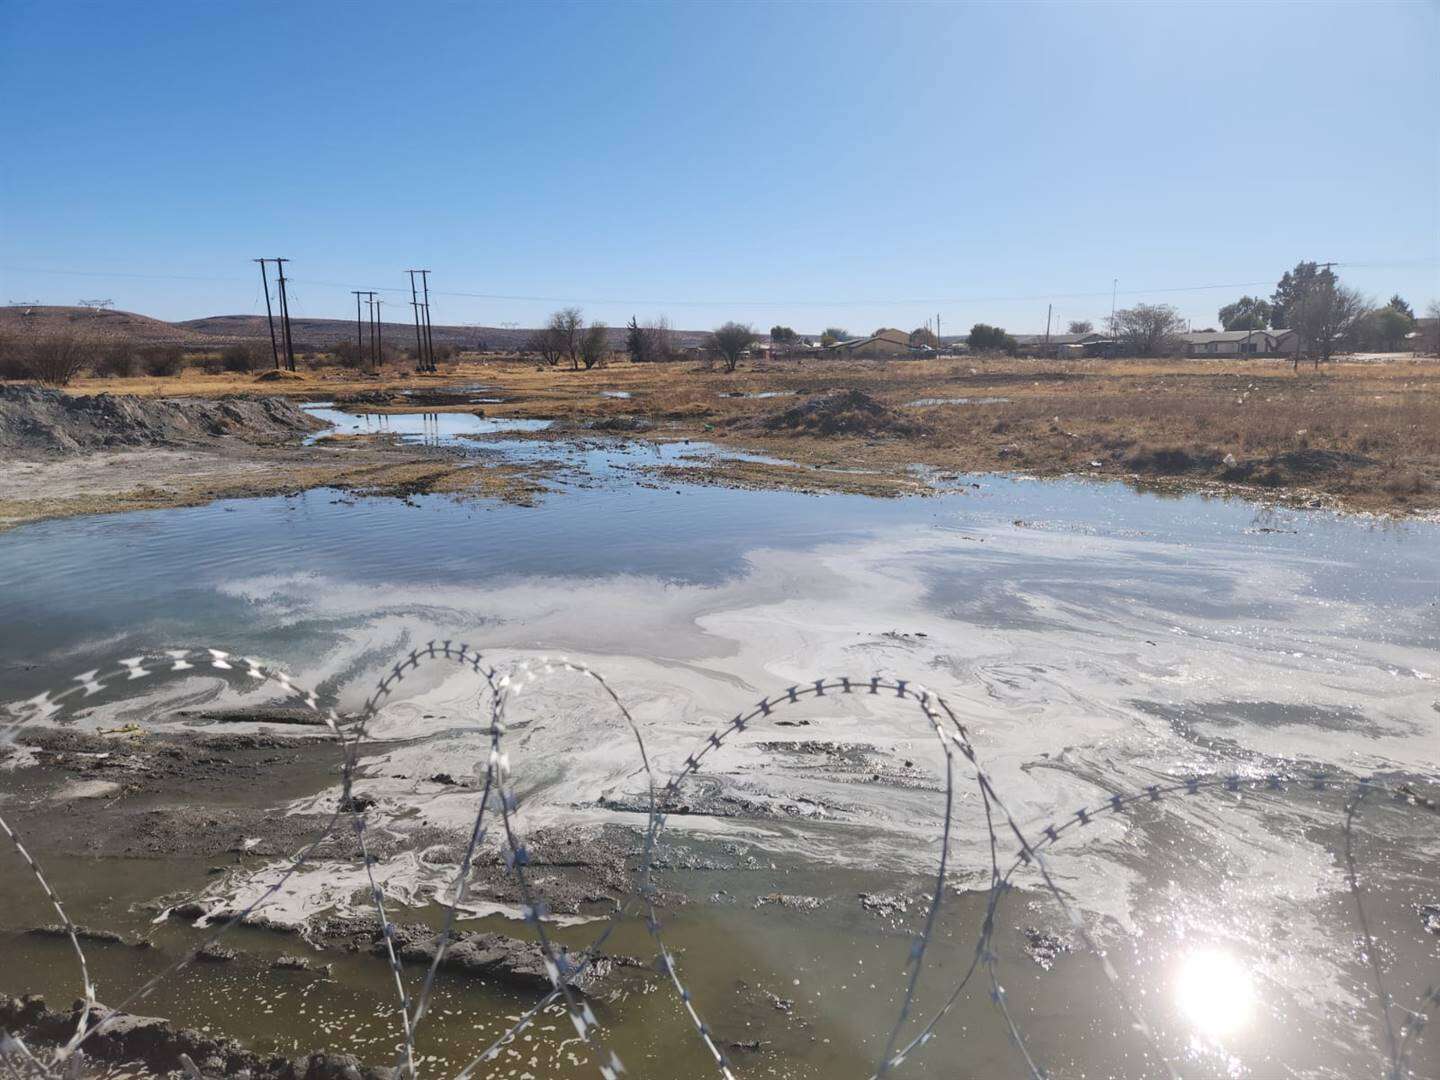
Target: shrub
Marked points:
349	354
12	359
241	357
1406	482
55	359
118	360
162	361
986	338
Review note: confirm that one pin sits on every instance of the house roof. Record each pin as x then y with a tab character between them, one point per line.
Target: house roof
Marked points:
889	337
1056	339
1201	337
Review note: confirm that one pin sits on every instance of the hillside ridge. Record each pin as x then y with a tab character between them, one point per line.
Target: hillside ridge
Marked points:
214	331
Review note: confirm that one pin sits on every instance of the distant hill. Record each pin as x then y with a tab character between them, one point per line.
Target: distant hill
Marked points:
322	333
101	325
219	330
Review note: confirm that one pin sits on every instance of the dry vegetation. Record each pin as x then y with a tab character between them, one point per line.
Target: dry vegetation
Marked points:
1362	435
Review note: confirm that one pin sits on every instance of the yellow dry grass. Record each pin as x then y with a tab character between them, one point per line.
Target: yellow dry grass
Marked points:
1134	417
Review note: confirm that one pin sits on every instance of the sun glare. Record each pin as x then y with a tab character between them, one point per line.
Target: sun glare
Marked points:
1215	992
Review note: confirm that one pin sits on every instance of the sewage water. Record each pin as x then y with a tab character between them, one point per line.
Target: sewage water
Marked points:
1094	639
925	401
427	428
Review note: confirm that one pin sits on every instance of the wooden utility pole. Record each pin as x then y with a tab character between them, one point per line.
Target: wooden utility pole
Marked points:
429	338
285	315
415	306
359	334
1048	309
1114	337
370	323
379	335
269	314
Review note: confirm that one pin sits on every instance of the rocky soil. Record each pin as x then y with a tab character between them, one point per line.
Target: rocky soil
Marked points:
35	421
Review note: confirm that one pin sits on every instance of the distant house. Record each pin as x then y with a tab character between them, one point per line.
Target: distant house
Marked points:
1240	343
882	343
1060	345
1425	337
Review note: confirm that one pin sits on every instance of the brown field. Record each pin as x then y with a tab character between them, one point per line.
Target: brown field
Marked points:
1363	436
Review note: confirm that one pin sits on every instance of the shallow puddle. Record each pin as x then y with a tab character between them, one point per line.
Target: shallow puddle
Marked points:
426	428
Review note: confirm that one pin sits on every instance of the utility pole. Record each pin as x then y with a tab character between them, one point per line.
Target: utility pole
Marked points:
359	334
379	335
369	295
269	314
1114	287
1048	309
937	333
370	325
415	306
429	339
285	314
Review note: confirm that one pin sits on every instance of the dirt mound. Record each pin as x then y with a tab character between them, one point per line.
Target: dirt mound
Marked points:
844	412
1296	467
1172	460
39	421
1313	461
279	375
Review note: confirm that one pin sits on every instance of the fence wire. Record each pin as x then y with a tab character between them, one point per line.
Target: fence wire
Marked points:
1402	1024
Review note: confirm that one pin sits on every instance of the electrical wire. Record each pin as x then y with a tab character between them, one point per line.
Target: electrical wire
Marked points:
749	303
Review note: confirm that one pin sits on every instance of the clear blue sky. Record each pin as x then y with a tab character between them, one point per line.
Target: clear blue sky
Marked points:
809	164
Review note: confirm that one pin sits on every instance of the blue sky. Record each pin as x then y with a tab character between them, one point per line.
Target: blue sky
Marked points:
809	164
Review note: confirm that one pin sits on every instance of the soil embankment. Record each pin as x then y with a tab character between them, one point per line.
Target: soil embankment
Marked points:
63	454
39	422
160	1047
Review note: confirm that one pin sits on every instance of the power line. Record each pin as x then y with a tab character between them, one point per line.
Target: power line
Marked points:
674	302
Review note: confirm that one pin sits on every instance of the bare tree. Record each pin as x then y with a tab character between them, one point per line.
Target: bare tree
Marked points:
594	344
659	341
546	342
730	341
1149	329
566	325
1081	326
1324	315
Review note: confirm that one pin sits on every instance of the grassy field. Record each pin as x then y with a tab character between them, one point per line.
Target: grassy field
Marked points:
1365	436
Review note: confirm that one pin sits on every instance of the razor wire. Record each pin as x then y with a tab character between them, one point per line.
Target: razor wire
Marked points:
563	972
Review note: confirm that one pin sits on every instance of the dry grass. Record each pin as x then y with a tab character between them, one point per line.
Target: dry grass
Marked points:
1379	423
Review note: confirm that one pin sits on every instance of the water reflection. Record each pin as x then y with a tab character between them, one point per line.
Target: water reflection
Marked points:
427	428
1215	992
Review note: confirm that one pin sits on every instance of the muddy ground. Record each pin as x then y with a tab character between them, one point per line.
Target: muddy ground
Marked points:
204	797
1355	436
173	810
63	455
